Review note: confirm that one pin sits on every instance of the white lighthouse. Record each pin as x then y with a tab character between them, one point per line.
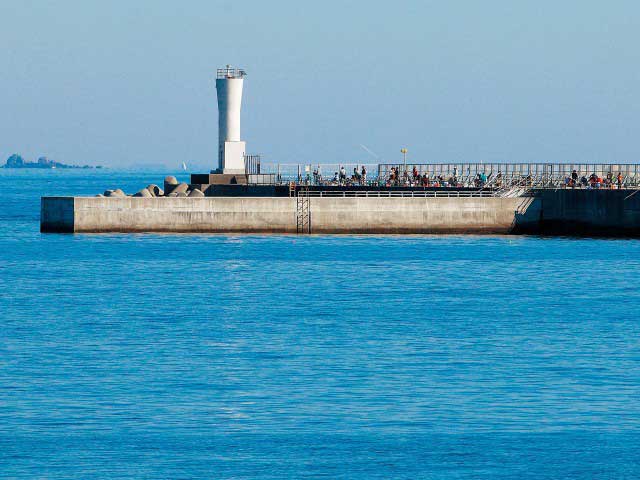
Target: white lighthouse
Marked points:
231	150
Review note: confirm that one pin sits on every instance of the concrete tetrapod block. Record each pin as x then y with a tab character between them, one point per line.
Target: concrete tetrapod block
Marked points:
180	194
170	182
196	193
155	190
114	193
181	188
143	193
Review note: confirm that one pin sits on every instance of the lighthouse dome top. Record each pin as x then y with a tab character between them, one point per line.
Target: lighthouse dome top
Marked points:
230	72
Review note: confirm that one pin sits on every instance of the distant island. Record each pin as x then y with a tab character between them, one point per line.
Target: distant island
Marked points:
16	161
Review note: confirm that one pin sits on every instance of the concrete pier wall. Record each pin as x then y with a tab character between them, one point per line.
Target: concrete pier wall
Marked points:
413	215
587	212
57	214
278	214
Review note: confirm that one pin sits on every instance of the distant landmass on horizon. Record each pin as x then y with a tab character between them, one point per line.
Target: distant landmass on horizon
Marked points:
16	161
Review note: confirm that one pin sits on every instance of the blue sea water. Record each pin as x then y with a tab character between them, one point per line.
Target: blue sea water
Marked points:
212	356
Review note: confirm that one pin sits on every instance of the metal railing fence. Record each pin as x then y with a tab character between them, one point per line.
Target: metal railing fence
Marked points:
533	175
475	175
252	164
230	72
320	174
403	193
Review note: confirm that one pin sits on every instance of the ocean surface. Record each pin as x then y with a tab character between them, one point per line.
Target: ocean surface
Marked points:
263	357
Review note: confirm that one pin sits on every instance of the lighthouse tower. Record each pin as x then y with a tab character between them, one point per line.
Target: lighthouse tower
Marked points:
231	149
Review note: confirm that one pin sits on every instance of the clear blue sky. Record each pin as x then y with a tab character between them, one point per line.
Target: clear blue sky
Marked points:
124	83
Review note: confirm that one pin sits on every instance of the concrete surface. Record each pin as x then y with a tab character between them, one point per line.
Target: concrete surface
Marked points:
57	214
601	212
278	214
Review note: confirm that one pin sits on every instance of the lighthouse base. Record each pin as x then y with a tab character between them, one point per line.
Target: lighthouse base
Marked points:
232	158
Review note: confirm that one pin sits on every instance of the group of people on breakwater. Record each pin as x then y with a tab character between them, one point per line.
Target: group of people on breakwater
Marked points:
417	179
396	176
593	181
358	177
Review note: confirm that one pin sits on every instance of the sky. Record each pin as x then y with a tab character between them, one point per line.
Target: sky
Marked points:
130	84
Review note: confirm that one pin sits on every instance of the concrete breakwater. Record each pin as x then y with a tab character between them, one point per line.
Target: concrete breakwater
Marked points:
592	212
279	214
565	212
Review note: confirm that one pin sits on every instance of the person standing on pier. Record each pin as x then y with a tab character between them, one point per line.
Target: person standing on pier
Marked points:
608	181
356	176
574	178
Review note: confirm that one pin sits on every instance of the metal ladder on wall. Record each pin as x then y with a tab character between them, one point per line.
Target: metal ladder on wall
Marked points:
303	210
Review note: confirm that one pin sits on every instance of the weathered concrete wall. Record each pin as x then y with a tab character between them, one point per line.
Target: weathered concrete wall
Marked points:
413	215
589	212
184	214
57	214
565	212
278	214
